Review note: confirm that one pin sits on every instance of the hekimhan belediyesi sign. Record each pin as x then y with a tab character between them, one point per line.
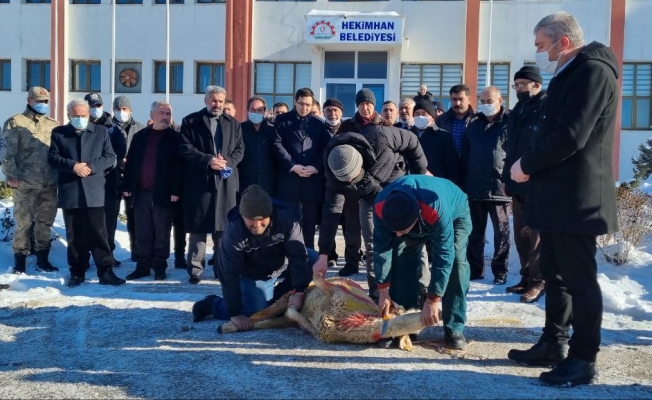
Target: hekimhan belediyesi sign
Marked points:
371	28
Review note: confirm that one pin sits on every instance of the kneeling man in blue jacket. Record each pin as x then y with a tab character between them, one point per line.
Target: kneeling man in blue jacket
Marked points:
261	235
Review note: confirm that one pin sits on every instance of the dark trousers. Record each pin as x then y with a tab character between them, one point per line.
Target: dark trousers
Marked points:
352	231
498	211
111	211
86	235
131	224
179	231
527	242
152	247
367	227
197	253
573	296
309	213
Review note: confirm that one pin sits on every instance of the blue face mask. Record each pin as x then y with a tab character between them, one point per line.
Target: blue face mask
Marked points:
79	123
255	118
96	112
41	108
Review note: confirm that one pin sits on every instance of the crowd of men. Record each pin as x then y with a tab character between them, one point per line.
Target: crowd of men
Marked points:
413	185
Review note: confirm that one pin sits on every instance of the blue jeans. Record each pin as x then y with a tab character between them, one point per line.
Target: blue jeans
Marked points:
258	294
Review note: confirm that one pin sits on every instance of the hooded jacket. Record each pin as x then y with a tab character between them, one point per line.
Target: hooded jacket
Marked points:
569	162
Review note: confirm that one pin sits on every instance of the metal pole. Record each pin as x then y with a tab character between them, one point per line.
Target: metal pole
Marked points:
167	51
55	84
491	22
113	11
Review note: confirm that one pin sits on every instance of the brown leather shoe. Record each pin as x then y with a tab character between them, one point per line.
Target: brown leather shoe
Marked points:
533	292
519	288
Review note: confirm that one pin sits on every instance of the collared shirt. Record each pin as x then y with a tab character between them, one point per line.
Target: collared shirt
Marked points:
563	67
459	128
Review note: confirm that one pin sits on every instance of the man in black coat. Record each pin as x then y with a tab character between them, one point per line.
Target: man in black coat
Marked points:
456	119
211	146
152	180
258	166
483	158
261	236
522	121
82	154
437	143
118	139
572	194
299	147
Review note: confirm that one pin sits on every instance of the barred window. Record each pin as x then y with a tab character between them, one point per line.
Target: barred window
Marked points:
278	81
500	77
439	78
636	105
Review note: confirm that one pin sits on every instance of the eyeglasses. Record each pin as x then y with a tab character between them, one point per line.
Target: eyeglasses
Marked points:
521	85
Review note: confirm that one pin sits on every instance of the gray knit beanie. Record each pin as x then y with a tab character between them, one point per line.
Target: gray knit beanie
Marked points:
365	95
345	162
122	101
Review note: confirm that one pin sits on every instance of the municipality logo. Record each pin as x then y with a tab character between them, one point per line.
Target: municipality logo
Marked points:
322	30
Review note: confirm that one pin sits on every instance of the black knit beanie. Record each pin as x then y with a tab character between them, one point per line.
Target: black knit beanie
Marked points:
255	203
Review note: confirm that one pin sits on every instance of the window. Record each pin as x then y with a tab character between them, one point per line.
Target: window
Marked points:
211	1
128	1
86	1
176	77
86	76
636	96
439	78
287	0
209	74
37	1
499	77
546	76
5	74
279	81
38	74
171	2
4	1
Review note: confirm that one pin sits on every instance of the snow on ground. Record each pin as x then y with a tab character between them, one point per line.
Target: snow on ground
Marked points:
138	341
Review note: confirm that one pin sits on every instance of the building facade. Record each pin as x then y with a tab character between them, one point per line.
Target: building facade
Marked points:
272	48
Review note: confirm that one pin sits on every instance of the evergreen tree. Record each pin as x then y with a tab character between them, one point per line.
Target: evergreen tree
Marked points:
643	164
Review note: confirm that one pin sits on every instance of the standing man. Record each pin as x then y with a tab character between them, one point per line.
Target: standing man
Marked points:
82	154
572	194
229	108
34	181
408	213
258	166
316	110
333	111
123	118
118	139
423	95
483	159
153	181
280	108
520	130
405	113
211	146
389	112
439	108
299	147
458	117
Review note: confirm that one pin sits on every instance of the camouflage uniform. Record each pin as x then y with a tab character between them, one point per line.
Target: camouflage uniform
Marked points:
35	199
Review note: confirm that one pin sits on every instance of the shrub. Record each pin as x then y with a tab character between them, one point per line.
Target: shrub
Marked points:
5	190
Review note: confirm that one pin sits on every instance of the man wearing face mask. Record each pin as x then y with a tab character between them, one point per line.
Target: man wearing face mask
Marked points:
405	110
258	166
119	143
456	119
81	152
437	144
483	158
572	196
34	181
520	129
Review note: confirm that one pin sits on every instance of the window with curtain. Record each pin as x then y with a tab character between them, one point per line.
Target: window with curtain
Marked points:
278	81
38	74
500	77
439	78
636	96
176	77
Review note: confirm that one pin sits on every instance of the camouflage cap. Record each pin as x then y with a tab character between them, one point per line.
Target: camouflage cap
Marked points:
38	93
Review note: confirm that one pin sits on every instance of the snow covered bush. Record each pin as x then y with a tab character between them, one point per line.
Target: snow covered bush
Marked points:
7	224
634	211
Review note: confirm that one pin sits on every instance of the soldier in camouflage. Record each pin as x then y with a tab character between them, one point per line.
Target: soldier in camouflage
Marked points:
34	181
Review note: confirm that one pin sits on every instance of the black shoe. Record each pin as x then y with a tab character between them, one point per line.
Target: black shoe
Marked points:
454	341
109	278
388	343
138	273
500	280
477	277
519	288
211	261
180	262
203	308
42	263
160	275
117	263
349	270
194	279
75	281
570	372
20	261
542	354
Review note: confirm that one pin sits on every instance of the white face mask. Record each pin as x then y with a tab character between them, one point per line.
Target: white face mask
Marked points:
96	112
487	109
122	116
542	59
421	122
79	123
333	123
